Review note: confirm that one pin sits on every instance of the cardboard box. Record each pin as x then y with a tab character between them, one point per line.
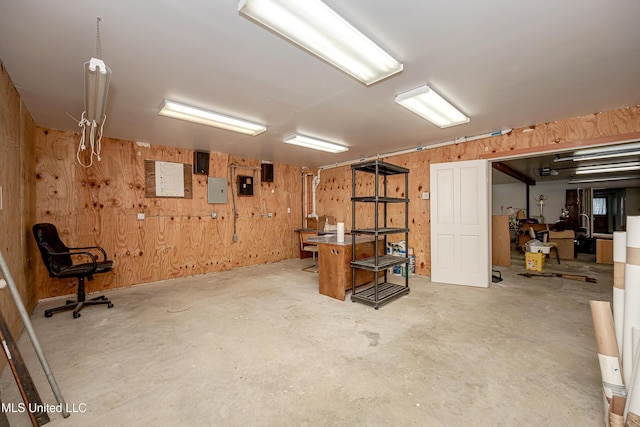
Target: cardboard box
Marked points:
565	241
318	224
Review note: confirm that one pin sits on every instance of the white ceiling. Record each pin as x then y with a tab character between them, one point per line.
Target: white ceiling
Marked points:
505	64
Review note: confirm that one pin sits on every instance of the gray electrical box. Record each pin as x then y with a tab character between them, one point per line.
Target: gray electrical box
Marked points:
217	190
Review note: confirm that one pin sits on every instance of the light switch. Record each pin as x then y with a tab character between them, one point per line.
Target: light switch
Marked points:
425	195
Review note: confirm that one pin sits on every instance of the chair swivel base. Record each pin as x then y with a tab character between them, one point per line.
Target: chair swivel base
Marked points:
311	269
76	306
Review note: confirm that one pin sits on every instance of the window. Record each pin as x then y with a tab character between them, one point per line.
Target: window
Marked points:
599	205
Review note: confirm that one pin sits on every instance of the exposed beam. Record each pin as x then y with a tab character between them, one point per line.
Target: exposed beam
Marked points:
513	173
565	146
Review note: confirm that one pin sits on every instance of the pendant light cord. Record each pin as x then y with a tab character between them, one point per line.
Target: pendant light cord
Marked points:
91	130
98	45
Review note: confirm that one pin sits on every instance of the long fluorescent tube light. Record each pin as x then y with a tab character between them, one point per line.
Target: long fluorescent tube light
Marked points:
96	88
598	156
608	149
426	103
315	27
209	118
617	167
602	153
611	178
316	144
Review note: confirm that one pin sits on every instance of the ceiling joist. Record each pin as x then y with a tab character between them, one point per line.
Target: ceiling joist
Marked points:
513	173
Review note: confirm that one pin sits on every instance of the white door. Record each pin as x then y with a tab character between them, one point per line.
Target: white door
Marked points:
460	228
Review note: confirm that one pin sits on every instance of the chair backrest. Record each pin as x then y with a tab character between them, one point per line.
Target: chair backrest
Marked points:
304	235
48	241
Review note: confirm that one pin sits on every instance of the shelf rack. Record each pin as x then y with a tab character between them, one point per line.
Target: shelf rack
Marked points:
379	292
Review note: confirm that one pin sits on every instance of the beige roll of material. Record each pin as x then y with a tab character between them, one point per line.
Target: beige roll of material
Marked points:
616	419
619	258
633	420
608	355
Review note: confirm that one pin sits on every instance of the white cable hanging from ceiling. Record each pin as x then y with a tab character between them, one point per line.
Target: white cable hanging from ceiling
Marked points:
96	88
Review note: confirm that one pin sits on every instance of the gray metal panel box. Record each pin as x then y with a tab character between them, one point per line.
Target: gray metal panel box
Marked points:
217	190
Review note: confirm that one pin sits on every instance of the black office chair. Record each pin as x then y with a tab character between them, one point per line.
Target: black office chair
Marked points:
57	258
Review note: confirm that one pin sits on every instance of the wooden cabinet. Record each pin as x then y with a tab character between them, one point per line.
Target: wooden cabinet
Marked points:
500	241
335	275
604	251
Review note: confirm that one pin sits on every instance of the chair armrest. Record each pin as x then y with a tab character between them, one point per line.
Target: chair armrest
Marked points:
74	252
104	253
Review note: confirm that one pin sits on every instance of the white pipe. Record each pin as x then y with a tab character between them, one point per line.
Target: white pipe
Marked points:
314	186
419	148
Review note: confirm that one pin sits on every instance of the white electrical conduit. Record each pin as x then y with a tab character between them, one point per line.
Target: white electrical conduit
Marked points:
420	148
397	153
314	186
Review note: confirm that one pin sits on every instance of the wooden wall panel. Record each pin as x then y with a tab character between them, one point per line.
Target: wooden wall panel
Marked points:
17	150
334	191
178	237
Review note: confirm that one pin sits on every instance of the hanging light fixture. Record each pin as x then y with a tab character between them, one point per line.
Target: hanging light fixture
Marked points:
598	153
96	88
611	167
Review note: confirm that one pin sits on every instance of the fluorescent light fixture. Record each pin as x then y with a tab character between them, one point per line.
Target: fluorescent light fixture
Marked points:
611	178
603	153
315	27
608	149
616	167
426	103
316	144
209	118
96	89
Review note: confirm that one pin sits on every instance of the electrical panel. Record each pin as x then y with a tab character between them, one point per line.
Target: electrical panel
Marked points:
200	162
266	172
245	185
217	190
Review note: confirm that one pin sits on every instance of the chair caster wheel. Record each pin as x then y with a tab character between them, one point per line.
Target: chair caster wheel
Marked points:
48	314
110	305
76	315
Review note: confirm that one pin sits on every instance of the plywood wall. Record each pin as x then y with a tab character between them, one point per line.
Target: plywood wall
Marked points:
178	238
334	191
17	148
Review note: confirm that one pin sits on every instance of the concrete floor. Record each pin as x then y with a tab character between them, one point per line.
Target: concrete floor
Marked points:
259	346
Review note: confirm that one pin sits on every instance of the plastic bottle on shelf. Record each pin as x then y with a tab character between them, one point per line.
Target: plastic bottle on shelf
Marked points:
412	262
